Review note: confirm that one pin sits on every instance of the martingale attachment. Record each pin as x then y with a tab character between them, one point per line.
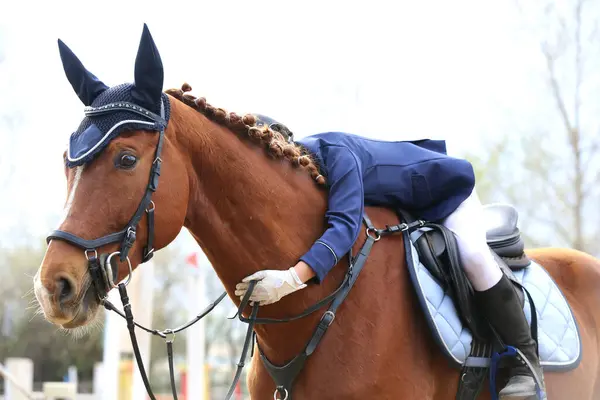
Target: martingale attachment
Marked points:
127	243
377	234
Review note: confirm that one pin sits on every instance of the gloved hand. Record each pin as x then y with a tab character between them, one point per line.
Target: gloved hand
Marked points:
272	285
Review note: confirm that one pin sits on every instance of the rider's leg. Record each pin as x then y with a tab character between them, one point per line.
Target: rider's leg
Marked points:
495	294
477	260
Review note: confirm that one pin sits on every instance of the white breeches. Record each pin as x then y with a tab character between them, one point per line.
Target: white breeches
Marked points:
478	263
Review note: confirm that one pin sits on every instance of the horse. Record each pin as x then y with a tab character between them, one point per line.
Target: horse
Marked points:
252	200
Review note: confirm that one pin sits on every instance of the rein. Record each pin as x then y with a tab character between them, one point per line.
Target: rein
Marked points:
104	276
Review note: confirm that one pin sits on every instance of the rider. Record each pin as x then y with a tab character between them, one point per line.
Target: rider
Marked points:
421	178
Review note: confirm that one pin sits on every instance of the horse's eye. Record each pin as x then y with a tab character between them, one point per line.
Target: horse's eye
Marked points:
126	161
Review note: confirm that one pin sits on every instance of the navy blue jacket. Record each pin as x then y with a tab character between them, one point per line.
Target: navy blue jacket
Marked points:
417	176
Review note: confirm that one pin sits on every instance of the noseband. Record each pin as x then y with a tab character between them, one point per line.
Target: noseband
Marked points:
103	275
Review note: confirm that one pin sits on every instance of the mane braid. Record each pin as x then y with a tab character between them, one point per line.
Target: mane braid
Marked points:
272	141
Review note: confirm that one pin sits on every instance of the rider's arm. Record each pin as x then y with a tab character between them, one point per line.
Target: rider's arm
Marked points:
344	214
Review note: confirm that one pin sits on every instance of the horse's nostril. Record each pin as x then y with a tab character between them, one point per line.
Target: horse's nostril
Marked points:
64	289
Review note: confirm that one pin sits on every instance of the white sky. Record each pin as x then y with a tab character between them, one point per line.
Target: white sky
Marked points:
391	70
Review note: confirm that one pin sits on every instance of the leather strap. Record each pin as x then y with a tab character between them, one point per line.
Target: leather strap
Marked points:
534	321
355	268
86	244
474	371
96	271
109	306
134	343
247	342
171	368
284	376
149	248
150	189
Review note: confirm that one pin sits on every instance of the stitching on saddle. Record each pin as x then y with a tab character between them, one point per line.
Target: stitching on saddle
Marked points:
547	302
455	338
444	318
522	257
552	296
558	346
568	318
558	310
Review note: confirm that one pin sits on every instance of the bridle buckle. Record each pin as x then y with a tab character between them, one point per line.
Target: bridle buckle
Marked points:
169	335
88	251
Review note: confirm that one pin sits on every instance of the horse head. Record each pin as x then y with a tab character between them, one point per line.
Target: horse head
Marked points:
223	189
112	165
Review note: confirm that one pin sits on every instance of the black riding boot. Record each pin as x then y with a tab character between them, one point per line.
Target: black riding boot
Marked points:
501	306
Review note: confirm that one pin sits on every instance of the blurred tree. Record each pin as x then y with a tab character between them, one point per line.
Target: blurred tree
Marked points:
571	57
552	171
25	334
495	182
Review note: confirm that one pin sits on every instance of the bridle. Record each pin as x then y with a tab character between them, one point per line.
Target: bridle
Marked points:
104	277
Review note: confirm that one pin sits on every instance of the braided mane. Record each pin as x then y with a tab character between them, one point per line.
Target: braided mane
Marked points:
246	127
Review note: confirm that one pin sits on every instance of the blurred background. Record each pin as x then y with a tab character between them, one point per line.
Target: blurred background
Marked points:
512	86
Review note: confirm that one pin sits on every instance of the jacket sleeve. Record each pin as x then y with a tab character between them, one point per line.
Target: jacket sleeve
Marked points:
344	211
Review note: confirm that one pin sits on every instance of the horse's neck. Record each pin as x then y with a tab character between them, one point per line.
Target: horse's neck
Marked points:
243	210
250	213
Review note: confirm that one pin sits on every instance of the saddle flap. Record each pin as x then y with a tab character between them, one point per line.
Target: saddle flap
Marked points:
438	252
431	247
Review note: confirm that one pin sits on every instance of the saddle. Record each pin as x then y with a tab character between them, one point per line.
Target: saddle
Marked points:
438	251
458	326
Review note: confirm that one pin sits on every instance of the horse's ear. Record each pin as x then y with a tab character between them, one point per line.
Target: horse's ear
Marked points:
85	84
148	74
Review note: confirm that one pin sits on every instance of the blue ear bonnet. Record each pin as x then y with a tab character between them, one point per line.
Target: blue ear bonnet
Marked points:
96	131
110	111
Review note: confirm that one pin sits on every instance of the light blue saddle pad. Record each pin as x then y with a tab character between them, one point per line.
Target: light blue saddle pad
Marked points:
558	335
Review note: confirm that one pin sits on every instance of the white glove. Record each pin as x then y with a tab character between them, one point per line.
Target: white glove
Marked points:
272	285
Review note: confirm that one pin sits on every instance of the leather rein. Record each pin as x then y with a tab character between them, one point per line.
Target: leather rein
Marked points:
104	277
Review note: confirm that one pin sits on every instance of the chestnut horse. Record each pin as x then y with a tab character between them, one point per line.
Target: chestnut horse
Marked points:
251	204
